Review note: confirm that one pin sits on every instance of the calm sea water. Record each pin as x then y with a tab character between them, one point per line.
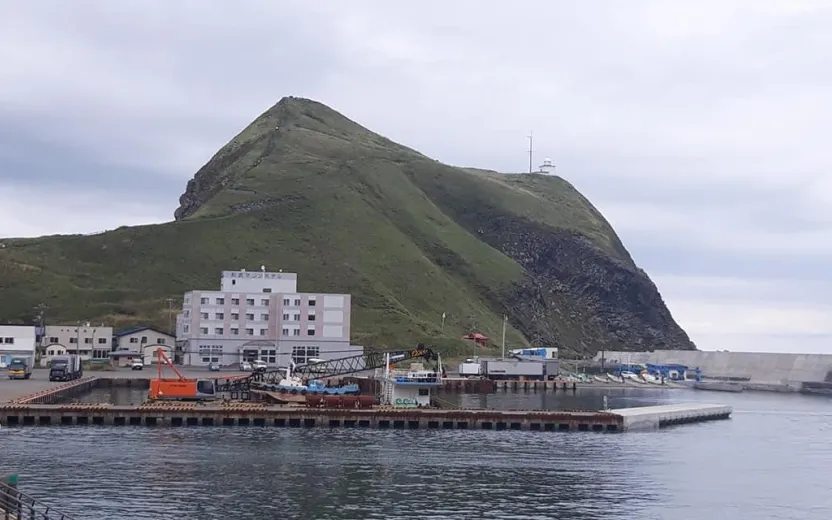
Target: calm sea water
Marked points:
772	460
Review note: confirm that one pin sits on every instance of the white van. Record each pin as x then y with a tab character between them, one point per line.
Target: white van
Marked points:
259	365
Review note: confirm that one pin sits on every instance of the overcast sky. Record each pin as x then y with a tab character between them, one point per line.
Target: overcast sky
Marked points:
699	129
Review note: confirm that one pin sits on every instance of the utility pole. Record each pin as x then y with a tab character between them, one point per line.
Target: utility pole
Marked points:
505	319
78	339
170	316
442	328
531	138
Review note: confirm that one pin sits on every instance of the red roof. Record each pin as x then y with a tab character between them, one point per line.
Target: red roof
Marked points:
476	336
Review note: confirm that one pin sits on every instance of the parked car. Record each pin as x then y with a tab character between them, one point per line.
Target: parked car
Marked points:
260	365
137	364
214	367
245	366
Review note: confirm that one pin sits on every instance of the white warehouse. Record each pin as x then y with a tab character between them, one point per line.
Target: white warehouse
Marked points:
16	340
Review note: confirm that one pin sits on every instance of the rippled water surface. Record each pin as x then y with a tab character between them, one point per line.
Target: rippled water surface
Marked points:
772	460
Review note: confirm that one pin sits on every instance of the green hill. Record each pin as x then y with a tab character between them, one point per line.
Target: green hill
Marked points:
306	190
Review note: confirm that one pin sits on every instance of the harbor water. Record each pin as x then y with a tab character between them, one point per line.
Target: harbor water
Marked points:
770	461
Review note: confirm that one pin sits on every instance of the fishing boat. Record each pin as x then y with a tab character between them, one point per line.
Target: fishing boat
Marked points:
615	379
600	379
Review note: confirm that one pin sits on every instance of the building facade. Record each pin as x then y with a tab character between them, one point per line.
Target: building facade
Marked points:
88	342
141	342
260	315
16	340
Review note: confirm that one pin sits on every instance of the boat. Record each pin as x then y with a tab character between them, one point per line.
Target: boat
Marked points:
718	386
615	379
650	378
292	384
601	379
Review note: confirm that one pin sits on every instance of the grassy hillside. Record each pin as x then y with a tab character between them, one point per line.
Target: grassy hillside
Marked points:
306	190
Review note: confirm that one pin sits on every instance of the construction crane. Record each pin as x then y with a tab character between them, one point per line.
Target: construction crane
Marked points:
182	388
347	365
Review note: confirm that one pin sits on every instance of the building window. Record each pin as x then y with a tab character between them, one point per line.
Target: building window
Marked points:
286	302
235	332
267	290
297	302
285	316
53	340
311	317
203	301
235	301
132	340
235	316
102	341
73	340
220	301
302	355
187	301
296	332
310	332
285	332
204	315
296	317
187	314
249	332
250	316
144	340
263	332
203	330
86	340
264	317
220	316
160	341
249	301
311	303
264	303
218	331
206	360
186	329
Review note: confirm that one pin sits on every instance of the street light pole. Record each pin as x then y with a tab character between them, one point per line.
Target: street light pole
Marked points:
78	339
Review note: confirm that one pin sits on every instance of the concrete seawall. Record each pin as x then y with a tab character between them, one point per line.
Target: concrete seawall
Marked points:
760	371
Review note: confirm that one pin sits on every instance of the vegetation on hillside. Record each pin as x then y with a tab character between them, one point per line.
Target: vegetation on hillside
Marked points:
306	190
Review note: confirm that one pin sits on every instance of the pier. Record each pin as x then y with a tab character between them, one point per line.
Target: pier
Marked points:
260	414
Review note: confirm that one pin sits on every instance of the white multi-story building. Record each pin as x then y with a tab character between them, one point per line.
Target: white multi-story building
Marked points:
261	315
16	340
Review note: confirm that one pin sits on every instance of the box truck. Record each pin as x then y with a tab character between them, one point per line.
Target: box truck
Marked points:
65	368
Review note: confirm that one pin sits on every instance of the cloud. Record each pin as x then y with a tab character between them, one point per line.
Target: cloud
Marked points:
31	212
698	129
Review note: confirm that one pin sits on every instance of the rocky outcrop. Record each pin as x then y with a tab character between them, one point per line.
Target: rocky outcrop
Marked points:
578	297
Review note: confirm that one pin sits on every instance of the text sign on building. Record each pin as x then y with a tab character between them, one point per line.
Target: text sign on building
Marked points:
405	402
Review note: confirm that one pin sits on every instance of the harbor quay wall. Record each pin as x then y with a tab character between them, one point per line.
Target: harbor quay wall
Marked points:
246	414
785	372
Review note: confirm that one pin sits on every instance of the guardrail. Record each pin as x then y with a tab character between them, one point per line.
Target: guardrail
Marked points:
15	505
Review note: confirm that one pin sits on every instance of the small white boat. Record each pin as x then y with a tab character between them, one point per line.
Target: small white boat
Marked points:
601	379
650	378
615	379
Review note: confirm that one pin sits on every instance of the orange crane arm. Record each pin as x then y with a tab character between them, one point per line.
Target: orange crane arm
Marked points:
160	354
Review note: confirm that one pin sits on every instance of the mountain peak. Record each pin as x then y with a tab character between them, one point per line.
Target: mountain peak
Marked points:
283	140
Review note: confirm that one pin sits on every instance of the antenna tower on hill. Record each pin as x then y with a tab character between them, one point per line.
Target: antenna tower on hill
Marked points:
531	150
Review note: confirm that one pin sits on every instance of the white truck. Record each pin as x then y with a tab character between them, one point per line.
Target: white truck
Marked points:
470	368
20	367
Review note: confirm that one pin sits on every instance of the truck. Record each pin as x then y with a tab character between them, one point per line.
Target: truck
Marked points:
470	368
20	367
65	368
513	369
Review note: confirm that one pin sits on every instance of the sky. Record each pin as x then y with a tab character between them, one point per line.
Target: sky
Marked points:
698	129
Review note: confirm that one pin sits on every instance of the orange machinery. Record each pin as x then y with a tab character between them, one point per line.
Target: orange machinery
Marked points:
181	388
